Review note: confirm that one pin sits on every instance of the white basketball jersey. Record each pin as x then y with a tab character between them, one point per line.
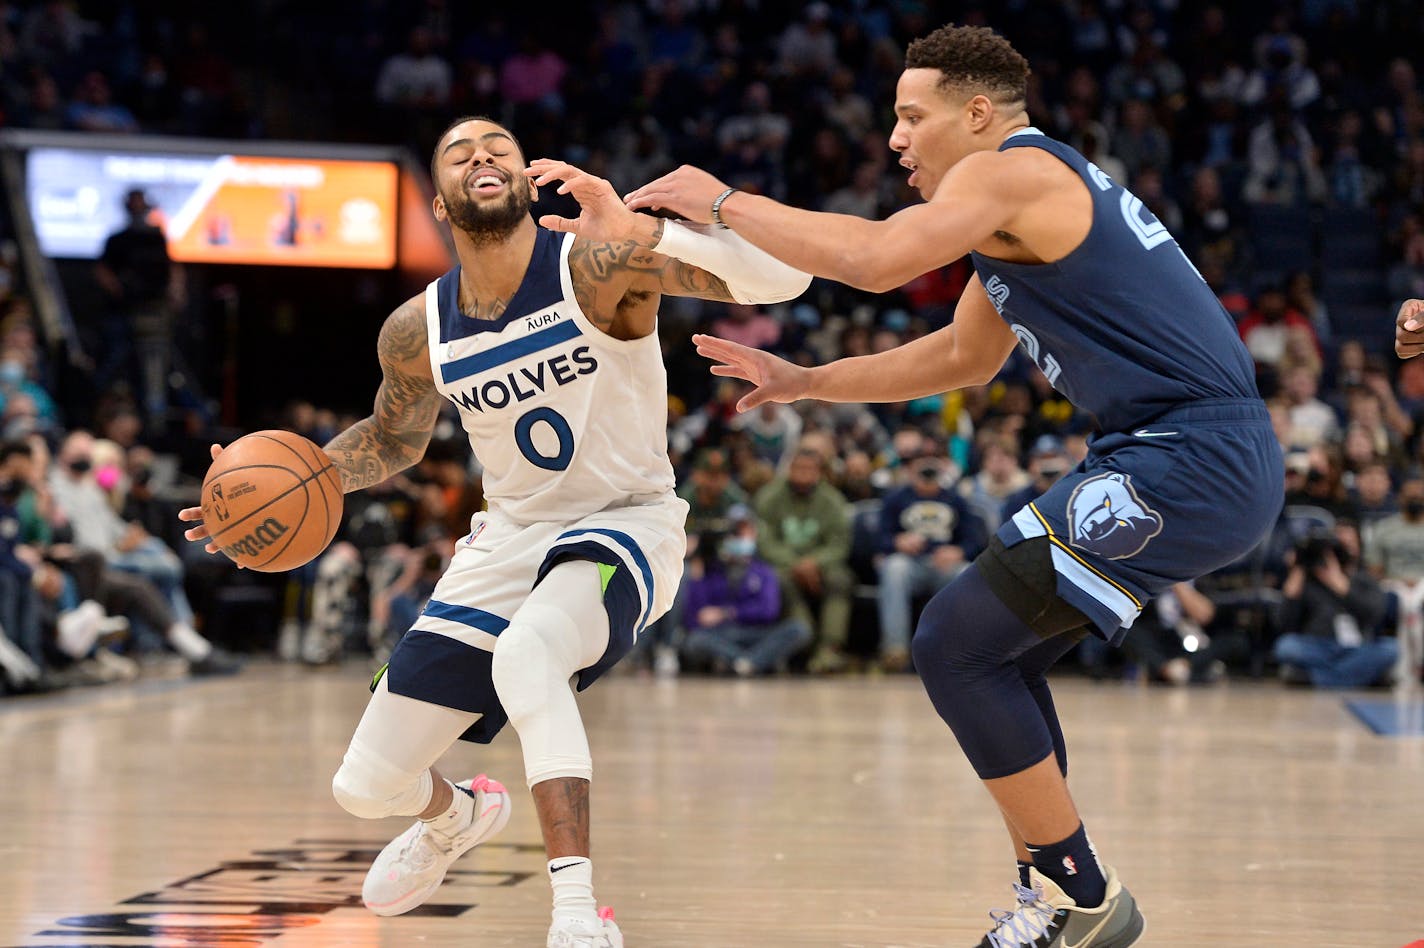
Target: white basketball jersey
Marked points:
565	419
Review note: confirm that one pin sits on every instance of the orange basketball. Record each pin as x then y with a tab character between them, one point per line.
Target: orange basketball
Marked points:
272	501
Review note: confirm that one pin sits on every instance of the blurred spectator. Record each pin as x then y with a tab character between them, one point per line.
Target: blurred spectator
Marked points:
1331	617
711	494
927	535
1311	420
94	108
808	47
1284	168
417	78
1048	460
1170	640
733	608
999	478
1265	331
805	535
1140	141
750	325
1394	551
534	75
774	430
146	289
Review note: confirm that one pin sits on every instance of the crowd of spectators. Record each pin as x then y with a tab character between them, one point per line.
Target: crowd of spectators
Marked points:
816	529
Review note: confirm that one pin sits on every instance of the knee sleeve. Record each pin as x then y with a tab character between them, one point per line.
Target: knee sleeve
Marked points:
964	651
533	662
372	788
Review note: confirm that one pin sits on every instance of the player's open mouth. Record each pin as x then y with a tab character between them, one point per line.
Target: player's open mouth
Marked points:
914	171
487	182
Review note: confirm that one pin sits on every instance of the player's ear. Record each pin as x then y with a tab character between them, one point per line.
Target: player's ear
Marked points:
437	206
980	109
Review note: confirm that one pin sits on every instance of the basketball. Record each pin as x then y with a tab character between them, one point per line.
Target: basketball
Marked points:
272	501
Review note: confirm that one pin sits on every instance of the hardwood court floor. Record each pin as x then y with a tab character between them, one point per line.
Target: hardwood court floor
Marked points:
727	813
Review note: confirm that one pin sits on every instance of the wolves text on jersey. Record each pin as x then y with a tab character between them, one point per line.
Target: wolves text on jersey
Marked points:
522	384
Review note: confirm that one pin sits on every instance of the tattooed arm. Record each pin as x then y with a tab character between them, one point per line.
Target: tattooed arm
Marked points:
618	285
397	431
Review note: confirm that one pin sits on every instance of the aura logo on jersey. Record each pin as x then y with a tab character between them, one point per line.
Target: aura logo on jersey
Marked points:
520	385
1106	517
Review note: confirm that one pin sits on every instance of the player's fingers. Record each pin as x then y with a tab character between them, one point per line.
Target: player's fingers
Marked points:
1411	315
214	450
190	514
648	198
1408	350
752	399
197	533
553	222
731	371
723	350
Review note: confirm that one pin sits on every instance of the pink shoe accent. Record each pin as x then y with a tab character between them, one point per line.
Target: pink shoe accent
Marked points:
606	913
486	784
393	875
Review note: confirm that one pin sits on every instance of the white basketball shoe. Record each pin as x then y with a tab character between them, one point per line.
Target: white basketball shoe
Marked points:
412	866
577	933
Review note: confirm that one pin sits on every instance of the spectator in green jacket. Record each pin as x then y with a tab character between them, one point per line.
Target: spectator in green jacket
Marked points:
805	535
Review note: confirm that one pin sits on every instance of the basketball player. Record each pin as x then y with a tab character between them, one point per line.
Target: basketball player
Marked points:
1185	477
547	345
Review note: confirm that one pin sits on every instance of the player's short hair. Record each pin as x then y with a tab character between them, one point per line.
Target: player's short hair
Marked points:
435	151
972	58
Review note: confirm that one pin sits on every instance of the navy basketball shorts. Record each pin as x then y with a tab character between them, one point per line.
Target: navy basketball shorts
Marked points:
1192	491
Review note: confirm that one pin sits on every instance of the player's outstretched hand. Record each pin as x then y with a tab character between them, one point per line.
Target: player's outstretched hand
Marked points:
603	218
1409	329
776	380
195	514
687	192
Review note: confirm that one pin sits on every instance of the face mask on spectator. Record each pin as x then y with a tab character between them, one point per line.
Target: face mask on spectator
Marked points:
1414	507
80	466
11	374
107	476
738	547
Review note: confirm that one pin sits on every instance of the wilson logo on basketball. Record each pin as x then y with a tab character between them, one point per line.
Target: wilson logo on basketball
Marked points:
258	540
219	504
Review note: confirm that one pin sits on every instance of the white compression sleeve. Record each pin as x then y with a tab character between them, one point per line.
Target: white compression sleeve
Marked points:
751	274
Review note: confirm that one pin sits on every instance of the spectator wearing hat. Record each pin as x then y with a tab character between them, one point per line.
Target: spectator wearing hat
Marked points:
928	533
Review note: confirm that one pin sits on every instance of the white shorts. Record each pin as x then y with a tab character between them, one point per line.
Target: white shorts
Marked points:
445	657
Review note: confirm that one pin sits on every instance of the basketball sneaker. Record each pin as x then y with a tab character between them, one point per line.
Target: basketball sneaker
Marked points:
1047	918
412	866
577	933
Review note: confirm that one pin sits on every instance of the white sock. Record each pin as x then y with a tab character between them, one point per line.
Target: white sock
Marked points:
457	816
188	643
571	878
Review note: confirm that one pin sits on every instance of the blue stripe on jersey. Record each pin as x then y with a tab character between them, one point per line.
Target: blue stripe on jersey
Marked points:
467	615
639	560
541	288
509	351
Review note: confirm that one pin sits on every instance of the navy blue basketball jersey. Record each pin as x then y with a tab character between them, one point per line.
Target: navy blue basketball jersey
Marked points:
1124	325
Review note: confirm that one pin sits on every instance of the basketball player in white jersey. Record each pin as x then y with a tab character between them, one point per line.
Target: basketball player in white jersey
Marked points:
547	345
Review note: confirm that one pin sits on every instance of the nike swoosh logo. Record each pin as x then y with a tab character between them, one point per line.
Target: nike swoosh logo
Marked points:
564	866
1087	939
1144	433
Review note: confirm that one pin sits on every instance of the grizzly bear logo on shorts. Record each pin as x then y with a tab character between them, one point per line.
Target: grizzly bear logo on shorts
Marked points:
1106	517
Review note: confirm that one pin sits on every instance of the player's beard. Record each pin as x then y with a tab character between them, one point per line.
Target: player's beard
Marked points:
488	222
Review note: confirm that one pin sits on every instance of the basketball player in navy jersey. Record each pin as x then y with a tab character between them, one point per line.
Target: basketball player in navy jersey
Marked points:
547	346
1185	477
